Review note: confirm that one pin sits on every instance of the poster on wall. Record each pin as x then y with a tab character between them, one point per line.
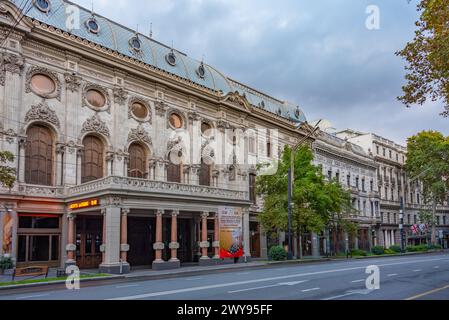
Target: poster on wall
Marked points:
7	233
231	233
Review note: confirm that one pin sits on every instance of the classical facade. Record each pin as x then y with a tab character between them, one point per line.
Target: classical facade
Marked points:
356	171
394	184
121	145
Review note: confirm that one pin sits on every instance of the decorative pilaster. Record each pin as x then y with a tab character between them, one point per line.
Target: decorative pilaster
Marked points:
79	164
60	149
204	243
22	146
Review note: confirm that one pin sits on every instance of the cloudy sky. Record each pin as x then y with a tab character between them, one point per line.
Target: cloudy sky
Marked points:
317	54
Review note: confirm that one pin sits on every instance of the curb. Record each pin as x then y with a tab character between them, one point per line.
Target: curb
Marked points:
45	283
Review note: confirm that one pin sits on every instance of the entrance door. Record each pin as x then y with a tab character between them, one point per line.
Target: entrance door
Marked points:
89	237
255	239
141	236
185	252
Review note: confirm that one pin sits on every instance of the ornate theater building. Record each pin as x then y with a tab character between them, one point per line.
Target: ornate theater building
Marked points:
117	140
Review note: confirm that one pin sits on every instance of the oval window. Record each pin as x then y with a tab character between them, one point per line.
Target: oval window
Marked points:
92	25
171	58
175	121
42	5
139	110
135	43
43	84
95	98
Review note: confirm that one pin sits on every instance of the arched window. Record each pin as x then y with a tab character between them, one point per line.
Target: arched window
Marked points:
204	174
92	163
173	171
39	156
137	161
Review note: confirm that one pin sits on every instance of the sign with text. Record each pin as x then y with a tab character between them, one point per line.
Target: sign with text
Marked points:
231	233
84	204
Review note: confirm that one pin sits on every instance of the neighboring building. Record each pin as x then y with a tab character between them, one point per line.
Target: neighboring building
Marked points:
103	122
393	183
356	171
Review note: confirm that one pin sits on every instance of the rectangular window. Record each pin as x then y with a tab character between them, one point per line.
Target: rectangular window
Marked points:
329	175
268	149
337	176
252	188
348	180
384	152
371	185
444	220
38	222
363	185
414	219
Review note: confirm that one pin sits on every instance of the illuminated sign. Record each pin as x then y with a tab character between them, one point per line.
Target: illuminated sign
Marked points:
84	204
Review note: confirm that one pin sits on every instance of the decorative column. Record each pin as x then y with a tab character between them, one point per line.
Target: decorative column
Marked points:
103	238
124	246
216	243
111	235
194	176
246	238
71	246
174	244
204	243
22	144
158	246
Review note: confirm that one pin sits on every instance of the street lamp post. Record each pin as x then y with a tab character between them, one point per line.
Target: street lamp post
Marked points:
401	224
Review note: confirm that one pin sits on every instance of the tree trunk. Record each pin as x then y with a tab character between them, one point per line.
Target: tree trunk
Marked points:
434	210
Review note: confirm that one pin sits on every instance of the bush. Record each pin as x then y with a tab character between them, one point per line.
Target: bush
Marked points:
356	252
378	250
419	248
389	251
277	253
6	263
396	249
434	246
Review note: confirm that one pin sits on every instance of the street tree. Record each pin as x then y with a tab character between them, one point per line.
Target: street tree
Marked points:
7	173
317	202
428	162
427	56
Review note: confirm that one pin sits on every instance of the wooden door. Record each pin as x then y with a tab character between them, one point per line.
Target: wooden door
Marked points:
89	237
141	236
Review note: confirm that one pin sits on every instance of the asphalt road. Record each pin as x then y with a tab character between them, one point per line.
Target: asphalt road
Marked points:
417	277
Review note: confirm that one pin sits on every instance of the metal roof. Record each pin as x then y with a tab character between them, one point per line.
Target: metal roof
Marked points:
116	37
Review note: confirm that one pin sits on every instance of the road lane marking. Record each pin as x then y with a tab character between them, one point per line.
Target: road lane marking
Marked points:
270	286
243	273
392	274
127	286
193	278
311	289
437	267
34	296
428	292
360	280
417	270
339	296
255	288
213	286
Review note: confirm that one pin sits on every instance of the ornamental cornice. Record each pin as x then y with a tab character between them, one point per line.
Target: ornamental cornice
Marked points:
13	63
32	71
72	81
42	112
120	95
139	135
95	124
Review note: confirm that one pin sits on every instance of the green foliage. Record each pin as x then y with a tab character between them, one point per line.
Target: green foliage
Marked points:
428	161
277	253
389	251
356	252
418	248
434	247
427	55
396	249
316	201
378	250
7	174
6	263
